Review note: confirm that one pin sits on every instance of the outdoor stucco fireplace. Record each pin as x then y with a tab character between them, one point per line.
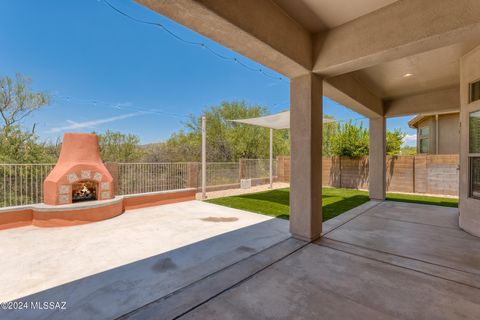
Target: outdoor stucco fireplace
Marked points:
79	174
80	190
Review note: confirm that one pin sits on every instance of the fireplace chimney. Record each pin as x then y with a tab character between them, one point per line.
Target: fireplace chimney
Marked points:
79	174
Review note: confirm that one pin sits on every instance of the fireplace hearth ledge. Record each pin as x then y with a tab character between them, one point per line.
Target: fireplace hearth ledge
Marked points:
43	215
77	205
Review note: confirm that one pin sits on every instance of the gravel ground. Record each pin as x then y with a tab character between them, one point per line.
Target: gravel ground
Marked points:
235	192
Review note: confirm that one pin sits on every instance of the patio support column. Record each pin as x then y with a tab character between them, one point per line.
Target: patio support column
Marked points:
376	159
306	121
271	158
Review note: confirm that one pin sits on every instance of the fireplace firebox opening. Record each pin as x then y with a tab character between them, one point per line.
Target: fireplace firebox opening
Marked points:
84	191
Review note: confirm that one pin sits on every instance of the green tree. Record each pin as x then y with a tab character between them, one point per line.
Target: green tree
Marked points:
119	147
17	100
226	140
330	129
18	146
394	141
350	141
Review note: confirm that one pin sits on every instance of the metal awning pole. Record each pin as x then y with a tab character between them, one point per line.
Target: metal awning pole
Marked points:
204	158
271	158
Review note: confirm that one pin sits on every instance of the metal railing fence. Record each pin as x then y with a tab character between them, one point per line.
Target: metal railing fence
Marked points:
259	168
22	184
150	177
221	173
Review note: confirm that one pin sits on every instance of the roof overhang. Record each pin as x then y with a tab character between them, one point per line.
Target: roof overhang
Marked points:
419	117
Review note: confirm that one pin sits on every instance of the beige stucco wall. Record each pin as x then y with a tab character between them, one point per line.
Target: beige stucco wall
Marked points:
448	133
469	207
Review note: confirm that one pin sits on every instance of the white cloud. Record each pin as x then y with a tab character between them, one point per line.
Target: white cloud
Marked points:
410	140
93	123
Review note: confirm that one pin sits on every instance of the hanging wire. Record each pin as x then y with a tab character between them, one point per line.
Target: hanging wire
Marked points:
119	106
194	43
156	111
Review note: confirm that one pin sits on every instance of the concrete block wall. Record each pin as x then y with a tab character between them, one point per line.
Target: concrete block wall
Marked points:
431	174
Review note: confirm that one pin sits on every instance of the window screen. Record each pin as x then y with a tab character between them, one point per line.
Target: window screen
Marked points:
424	145
475	177
424	131
474	151
475	91
474	132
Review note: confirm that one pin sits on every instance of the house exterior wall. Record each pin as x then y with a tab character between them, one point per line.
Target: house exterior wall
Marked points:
448	134
469	212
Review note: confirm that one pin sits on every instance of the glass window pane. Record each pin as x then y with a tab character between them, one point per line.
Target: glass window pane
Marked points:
474	134
424	145
475	177
424	131
475	91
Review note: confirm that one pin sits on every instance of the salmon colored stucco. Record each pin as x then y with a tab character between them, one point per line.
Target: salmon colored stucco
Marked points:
79	160
71	215
77	216
149	200
16	218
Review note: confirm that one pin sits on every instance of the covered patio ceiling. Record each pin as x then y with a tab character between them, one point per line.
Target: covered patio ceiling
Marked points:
317	16
379	58
372	54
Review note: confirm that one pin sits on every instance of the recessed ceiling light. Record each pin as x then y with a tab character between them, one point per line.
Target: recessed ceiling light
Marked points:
406	75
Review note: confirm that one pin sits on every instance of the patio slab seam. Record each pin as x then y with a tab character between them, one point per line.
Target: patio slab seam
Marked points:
348	216
397	255
413	222
416	265
250	265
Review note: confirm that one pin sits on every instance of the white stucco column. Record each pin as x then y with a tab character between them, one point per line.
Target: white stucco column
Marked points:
377	184
306	121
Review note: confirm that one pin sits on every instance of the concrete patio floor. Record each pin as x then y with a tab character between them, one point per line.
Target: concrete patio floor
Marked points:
106	269
381	260
384	260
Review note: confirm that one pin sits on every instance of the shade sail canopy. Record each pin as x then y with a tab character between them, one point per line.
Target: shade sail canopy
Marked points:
274	121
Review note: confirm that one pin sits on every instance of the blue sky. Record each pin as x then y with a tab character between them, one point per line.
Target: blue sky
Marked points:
103	70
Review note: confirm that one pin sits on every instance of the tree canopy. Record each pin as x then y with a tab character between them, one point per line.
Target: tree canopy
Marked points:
119	147
226	140
17	101
349	140
230	141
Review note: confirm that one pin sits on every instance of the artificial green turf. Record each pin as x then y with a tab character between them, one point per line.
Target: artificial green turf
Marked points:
335	201
437	201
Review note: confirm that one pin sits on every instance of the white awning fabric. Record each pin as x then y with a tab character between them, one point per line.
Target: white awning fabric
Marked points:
275	121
